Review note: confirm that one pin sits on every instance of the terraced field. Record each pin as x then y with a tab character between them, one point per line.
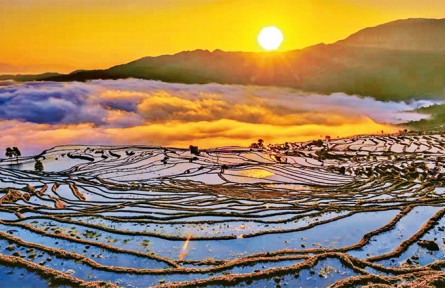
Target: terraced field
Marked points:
347	212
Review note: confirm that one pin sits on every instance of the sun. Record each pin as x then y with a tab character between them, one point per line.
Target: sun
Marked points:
270	38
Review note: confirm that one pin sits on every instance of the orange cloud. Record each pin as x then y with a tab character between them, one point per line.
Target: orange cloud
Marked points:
162	106
36	116
229	132
33	138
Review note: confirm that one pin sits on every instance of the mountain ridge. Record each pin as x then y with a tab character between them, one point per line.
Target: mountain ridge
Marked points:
370	62
395	35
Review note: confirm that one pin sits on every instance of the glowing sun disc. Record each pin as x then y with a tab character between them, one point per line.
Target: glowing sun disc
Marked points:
270	38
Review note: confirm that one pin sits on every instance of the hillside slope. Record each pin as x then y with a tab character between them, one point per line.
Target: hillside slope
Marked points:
399	60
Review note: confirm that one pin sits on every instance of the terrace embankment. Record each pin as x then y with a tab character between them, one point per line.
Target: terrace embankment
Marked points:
367	210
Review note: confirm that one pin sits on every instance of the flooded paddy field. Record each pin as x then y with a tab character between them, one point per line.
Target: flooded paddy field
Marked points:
352	212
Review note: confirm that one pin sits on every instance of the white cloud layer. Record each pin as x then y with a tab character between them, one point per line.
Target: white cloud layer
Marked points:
103	109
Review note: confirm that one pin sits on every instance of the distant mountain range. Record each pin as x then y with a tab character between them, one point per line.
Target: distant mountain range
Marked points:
398	60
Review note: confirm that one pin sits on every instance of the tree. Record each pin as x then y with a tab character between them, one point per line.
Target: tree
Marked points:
38	165
13	152
17	153
9	152
194	150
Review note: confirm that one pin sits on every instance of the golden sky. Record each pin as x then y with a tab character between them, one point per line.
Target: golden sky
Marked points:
64	35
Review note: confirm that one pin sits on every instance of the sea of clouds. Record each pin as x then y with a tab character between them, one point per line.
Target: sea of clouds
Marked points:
39	115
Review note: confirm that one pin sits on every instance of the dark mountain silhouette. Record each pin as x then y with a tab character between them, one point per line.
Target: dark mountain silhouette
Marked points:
29	77
399	60
410	34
